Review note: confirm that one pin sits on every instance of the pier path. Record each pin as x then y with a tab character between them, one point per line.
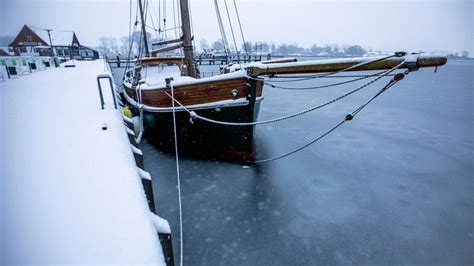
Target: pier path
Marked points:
70	189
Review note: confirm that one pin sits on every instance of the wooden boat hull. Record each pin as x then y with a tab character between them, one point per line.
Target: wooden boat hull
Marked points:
214	100
203	139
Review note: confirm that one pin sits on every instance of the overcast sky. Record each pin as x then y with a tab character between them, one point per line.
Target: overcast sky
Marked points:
412	25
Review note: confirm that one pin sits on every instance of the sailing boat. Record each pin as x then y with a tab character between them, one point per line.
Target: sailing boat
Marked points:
234	96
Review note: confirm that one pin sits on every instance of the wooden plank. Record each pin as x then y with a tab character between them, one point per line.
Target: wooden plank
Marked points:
160	60
155	52
200	93
280	60
331	65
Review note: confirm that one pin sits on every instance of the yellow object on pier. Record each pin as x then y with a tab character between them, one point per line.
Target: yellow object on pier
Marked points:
126	112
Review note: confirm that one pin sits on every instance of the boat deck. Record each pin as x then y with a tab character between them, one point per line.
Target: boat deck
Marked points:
70	188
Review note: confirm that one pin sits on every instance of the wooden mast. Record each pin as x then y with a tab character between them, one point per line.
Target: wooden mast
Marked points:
145	41
187	39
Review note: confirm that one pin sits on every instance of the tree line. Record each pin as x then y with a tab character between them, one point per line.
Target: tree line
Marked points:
288	49
112	47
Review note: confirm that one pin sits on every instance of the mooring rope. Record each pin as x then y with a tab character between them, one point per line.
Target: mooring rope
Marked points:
195	115
306	75
179	182
348	117
323	86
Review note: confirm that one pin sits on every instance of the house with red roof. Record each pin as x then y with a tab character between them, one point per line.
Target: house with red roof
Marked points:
45	42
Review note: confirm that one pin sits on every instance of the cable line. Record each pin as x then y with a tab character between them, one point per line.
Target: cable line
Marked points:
240	26
230	24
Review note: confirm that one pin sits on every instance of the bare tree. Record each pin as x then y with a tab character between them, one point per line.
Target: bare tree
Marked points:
218	45
125	45
108	45
203	44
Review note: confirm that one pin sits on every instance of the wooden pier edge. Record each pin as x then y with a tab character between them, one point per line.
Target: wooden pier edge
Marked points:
164	238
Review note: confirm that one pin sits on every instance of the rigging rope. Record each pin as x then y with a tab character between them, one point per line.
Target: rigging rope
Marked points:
164	19
230	24
348	117
323	86
398	54
159	18
130	37
221	28
174	20
178	180
240	25
180	31
152	13
305	76
195	115
140	48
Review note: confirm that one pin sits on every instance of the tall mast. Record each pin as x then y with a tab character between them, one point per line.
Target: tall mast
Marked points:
145	42
187	42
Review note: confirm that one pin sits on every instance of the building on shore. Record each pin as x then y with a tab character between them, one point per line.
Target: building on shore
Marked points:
4	51
41	42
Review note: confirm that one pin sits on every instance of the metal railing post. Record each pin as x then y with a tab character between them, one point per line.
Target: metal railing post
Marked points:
102	103
8	72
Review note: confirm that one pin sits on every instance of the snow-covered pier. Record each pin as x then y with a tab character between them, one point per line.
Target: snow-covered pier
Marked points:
71	189
13	66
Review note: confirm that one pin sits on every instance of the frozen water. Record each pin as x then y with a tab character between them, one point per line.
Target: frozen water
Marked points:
393	186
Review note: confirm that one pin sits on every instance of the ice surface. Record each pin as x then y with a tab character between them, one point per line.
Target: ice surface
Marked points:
393	186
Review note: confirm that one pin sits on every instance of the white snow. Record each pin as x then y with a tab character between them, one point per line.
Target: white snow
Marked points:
70	191
59	38
136	150
144	174
154	77
161	225
127	119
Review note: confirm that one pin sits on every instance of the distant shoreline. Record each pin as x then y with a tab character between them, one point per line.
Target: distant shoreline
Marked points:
459	58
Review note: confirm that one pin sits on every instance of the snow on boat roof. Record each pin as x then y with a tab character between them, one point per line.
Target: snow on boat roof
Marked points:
70	190
156	79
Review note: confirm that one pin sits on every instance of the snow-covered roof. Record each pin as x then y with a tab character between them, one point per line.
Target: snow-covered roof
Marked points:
5	51
59	38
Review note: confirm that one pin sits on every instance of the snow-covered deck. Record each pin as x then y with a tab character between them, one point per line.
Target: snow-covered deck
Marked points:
70	191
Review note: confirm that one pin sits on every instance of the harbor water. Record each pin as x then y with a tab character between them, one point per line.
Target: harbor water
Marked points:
393	186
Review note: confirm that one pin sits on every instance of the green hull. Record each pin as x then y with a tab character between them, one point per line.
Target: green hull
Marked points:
204	139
